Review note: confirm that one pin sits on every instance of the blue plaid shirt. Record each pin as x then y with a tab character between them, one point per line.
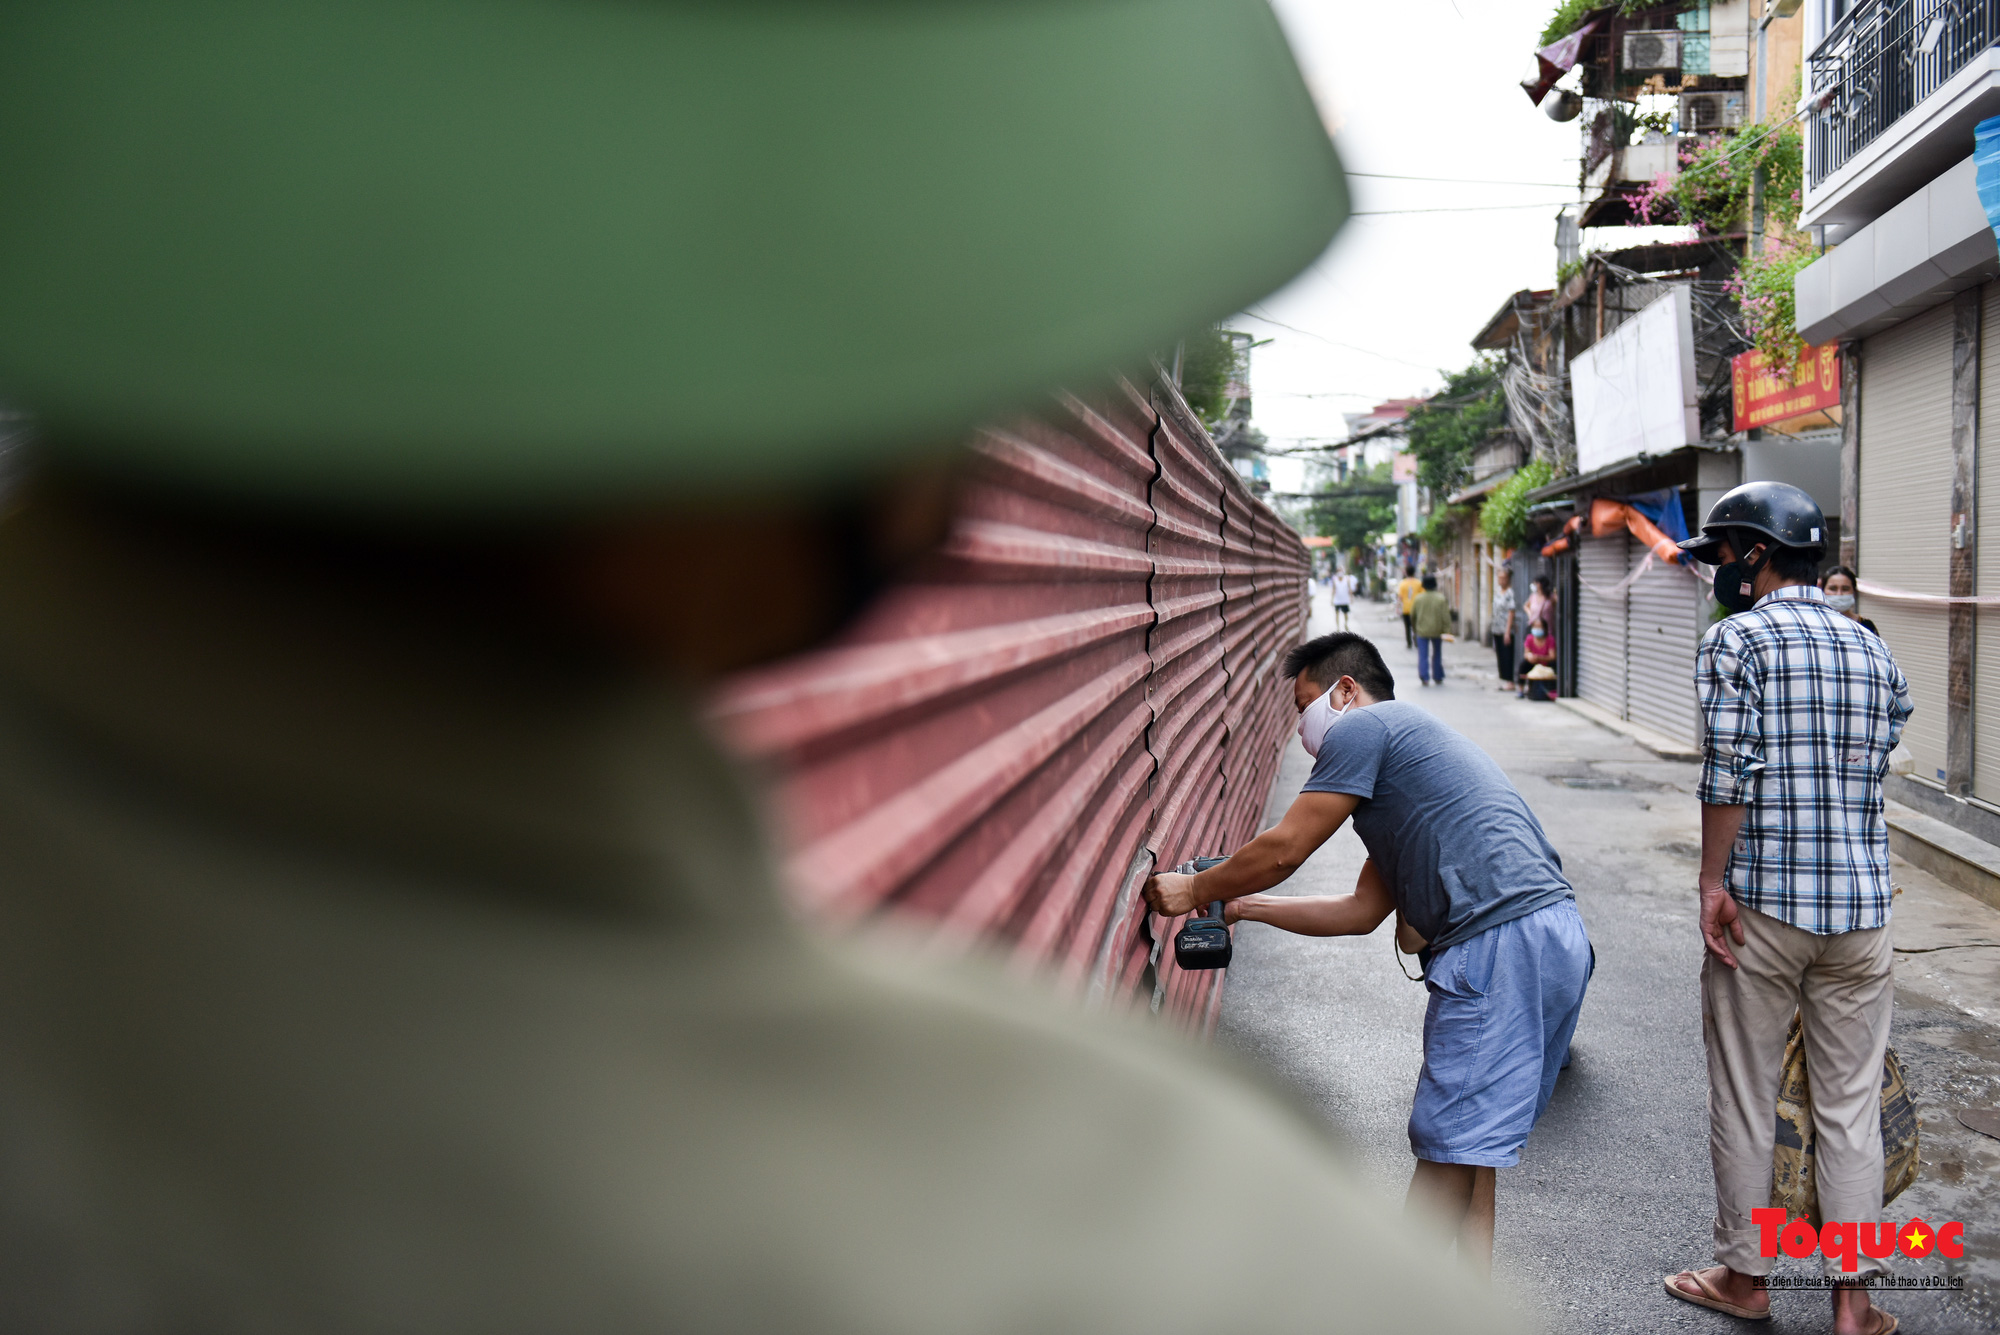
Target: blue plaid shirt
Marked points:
1802	707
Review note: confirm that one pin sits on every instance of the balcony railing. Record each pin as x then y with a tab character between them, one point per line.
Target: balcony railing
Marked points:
1884	58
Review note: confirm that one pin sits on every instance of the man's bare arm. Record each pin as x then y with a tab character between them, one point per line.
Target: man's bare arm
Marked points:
1260	864
1357	914
1720	917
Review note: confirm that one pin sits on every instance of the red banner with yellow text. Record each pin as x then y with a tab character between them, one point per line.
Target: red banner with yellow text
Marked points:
1765	394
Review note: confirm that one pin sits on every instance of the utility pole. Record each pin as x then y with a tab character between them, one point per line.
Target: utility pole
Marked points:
1757	177
1757	212
1773	9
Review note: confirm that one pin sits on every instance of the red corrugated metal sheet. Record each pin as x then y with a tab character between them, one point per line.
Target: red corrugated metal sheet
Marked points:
1081	687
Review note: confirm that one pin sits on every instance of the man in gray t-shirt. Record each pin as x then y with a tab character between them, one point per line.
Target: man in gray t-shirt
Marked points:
1453	850
1452	838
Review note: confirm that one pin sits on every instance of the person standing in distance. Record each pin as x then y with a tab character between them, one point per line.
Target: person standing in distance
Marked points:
1541	604
1406	595
1503	627
1838	583
1430	617
1343	597
1802	706
1455	851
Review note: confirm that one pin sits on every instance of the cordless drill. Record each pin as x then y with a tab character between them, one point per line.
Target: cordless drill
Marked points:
1203	942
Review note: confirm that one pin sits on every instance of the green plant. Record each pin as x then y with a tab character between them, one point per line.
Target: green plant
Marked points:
1570	14
1444	525
1717	177
1569	269
1353	512
1783	158
1444	432
1629	125
1210	359
1764	292
1504	516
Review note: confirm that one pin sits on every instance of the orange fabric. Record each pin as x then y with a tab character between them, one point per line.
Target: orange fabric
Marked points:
1646	531
1607	517
1561	544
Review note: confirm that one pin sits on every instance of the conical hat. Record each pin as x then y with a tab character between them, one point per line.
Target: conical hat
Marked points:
538	253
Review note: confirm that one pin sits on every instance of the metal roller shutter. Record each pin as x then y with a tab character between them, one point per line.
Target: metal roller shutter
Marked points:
1600	622
1986	666
1905	521
1660	641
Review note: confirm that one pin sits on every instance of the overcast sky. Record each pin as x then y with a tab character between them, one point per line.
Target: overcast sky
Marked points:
1413	88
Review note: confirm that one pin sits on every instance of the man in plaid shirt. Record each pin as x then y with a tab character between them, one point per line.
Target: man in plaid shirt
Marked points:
1802	706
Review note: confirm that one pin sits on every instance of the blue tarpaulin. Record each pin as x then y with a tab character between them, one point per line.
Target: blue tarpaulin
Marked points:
1663	507
1986	168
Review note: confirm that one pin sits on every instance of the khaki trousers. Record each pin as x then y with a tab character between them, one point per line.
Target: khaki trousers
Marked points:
1844	989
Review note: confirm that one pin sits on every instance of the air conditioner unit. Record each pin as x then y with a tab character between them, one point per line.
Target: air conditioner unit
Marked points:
1704	113
1653	49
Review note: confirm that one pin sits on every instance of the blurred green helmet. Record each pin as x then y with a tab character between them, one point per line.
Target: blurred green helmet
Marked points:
504	254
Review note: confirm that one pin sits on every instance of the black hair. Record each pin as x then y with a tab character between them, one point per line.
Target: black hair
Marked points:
1430	582
1542	583
1330	657
1409	572
1831	571
1793	563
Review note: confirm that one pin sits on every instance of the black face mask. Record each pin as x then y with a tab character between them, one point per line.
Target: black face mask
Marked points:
1733	584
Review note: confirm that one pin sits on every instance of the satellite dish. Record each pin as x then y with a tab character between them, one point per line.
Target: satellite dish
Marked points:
1563	105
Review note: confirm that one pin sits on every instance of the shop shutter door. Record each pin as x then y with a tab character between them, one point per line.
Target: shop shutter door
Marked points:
1986	666
1661	641
1600	622
1905	502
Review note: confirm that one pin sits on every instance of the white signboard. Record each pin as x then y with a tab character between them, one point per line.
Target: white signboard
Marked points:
1635	387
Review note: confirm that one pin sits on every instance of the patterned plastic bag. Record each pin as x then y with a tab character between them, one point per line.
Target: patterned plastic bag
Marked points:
1792	1185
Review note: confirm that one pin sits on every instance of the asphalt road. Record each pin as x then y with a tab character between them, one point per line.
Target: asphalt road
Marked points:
1613	1190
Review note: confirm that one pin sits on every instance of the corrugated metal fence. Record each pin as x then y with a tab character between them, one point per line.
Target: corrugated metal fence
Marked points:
1082	687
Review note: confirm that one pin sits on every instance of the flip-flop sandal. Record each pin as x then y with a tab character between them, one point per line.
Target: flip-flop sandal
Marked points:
1887	1329
1709	1298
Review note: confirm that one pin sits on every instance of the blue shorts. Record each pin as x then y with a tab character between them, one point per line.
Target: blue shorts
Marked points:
1503	1007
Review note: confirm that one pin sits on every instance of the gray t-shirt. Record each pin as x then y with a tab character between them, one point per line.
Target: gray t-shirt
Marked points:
1454	840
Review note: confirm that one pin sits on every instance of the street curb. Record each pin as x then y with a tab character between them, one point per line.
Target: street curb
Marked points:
1663	747
1946	852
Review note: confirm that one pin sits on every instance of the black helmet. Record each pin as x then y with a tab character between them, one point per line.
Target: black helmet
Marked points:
1780	512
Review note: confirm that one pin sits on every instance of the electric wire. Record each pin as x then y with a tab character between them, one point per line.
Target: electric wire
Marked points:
1466	208
1334	342
1461	180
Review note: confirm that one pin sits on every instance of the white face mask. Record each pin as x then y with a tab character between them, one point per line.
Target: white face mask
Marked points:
1317	718
1840	602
